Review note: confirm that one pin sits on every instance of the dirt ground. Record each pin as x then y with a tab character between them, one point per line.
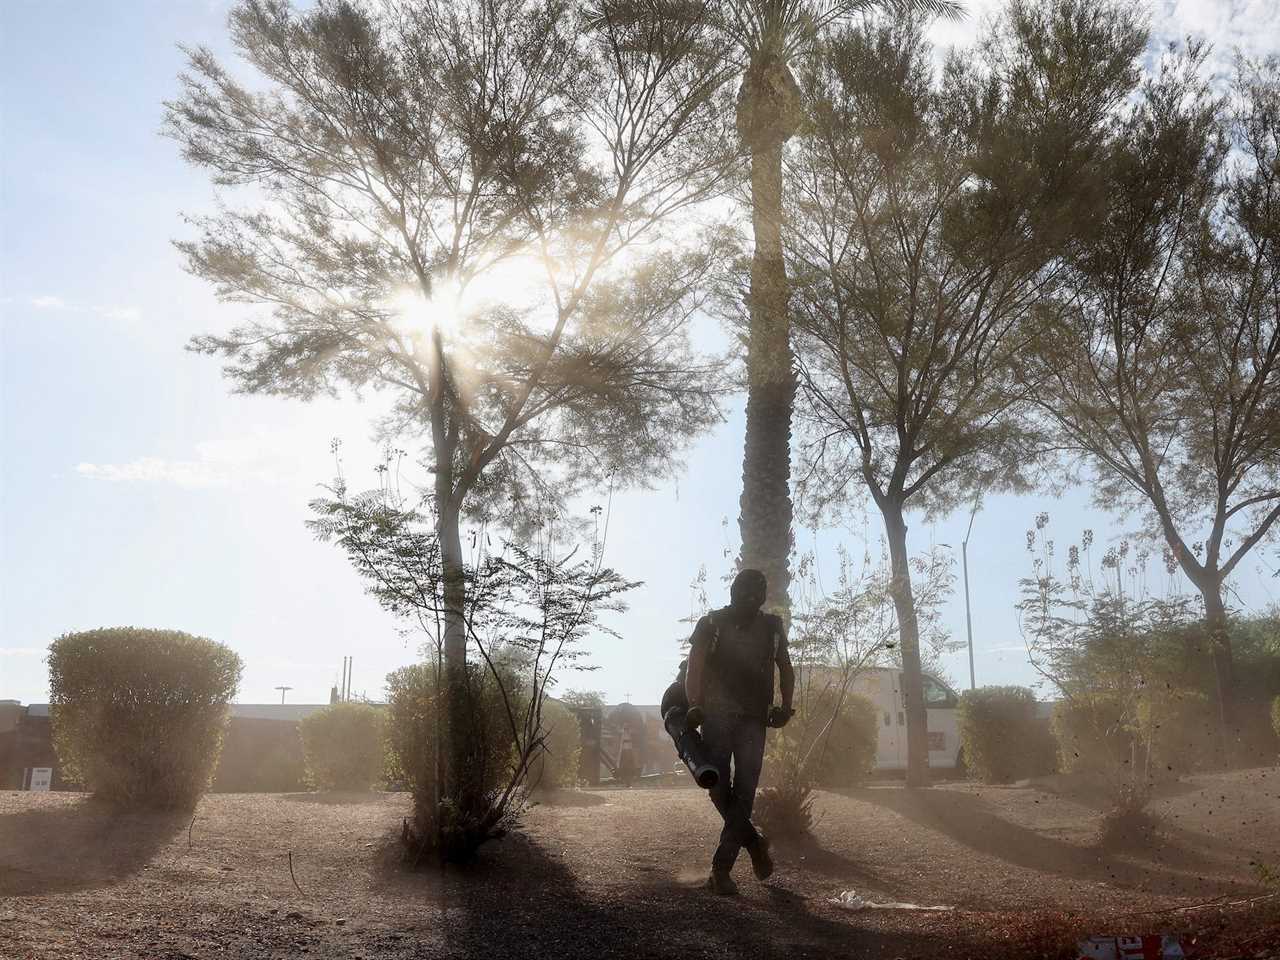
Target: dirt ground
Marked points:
619	873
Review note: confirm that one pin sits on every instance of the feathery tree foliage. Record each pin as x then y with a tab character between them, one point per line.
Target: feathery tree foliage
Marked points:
1161	367
758	41
460	202
930	216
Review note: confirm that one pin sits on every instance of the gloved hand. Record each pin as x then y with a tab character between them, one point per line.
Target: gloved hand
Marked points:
778	716
693	717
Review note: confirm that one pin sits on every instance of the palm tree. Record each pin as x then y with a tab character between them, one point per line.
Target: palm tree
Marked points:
760	39
770	35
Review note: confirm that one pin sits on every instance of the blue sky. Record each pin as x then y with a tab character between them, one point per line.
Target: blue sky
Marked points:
135	489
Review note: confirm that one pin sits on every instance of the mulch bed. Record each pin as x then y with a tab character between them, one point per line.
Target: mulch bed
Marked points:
620	873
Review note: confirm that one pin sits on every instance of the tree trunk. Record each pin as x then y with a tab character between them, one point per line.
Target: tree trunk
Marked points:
1215	625
767	116
904	604
458	773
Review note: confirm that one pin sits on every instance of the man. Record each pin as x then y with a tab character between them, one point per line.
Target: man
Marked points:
730	689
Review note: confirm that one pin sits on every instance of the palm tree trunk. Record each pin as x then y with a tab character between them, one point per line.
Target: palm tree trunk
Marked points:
766	120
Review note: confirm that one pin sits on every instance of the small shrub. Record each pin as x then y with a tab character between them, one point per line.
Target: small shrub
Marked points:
413	722
784	808
1090	734
1127	824
831	742
1001	738
556	767
841	754
1275	715
342	747
138	715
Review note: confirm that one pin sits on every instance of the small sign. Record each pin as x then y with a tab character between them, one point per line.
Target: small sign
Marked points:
41	779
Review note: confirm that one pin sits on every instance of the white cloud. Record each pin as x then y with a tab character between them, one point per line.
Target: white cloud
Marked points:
116	312
255	454
125	314
182	473
1251	26
293	454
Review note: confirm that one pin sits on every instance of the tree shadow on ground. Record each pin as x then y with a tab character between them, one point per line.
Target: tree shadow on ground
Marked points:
79	846
805	854
523	901
969	820
1094	792
568	798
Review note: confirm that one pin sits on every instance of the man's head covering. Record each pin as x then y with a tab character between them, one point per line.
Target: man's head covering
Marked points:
746	595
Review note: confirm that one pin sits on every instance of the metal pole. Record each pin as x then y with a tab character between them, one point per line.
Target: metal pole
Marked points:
282	692
968	619
968	616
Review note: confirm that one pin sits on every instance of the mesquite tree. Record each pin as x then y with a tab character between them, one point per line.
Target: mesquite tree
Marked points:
463	203
929	214
1162	367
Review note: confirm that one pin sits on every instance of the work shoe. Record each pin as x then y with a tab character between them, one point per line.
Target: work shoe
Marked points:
721	883
761	861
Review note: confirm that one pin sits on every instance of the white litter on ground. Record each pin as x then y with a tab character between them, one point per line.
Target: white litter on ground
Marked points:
1157	947
852	900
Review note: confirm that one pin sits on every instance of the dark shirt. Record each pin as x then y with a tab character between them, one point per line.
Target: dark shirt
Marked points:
737	678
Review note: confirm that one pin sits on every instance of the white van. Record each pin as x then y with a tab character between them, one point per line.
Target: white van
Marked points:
883	687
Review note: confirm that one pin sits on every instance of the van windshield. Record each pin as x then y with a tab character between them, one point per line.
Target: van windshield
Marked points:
937	695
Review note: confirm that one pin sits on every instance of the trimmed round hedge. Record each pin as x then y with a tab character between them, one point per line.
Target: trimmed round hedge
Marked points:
138	715
1001	737
342	747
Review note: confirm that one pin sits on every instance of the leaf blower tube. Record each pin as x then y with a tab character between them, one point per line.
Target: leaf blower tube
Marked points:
691	749
689	746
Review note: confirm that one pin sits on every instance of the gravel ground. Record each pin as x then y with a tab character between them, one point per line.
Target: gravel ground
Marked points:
620	873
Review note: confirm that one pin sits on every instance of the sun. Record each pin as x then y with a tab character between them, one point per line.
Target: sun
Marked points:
414	313
517	281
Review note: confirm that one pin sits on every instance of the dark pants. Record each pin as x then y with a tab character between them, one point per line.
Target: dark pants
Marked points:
740	739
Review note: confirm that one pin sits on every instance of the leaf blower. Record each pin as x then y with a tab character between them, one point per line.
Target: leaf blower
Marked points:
688	742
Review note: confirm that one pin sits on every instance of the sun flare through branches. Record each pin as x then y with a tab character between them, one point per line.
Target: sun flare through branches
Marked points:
520	283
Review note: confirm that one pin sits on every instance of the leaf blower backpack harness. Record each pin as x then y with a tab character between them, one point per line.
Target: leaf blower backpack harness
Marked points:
675	708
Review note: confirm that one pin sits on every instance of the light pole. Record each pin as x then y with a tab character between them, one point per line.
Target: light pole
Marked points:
283	690
968	617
